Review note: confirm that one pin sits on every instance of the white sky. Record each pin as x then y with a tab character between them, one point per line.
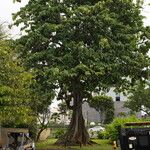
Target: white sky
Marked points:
7	7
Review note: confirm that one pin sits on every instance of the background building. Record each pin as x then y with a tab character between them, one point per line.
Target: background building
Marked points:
91	115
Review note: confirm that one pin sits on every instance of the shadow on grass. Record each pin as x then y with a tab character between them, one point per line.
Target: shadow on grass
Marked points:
49	145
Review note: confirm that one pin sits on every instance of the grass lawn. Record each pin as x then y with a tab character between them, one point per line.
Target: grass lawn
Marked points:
48	144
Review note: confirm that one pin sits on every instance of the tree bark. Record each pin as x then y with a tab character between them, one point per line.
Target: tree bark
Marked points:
102	116
39	133
77	133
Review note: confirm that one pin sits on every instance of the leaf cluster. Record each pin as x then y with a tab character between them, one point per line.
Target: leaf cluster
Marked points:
139	99
104	105
83	46
14	86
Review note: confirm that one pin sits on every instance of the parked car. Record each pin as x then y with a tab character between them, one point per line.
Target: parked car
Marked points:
93	132
15	139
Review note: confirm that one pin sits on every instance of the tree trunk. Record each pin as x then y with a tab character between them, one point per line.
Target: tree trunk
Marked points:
77	133
38	135
102	117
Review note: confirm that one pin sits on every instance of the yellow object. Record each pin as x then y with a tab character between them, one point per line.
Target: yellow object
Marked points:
114	145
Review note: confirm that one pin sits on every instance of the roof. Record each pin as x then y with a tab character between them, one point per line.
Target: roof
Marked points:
137	123
16	130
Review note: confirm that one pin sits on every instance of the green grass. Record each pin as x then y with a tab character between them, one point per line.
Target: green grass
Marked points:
46	144
101	145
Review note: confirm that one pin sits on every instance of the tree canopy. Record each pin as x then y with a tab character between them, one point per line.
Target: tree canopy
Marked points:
14	84
105	106
83	46
139	99
41	99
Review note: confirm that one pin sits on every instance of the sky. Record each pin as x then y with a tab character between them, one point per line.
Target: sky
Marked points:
7	7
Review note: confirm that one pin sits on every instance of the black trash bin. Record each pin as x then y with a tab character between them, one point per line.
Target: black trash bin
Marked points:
135	138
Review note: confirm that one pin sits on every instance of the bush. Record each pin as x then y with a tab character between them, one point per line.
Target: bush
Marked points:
101	135
112	130
59	132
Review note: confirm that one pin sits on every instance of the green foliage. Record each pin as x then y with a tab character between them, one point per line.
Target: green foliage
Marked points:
100	135
3	34
62	108
139	98
105	106
59	132
14	86
33	129
55	116
103	135
123	114
84	46
109	115
112	130
16	1
41	93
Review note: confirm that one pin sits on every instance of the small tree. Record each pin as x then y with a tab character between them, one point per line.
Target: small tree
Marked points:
43	120
139	99
109	115
14	86
41	99
105	106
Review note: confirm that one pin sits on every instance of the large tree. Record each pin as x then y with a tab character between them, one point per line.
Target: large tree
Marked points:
14	86
84	46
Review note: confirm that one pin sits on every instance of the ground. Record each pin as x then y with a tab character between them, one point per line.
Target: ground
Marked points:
49	145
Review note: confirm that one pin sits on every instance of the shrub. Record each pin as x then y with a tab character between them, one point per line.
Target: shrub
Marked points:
59	132
112	130
101	135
